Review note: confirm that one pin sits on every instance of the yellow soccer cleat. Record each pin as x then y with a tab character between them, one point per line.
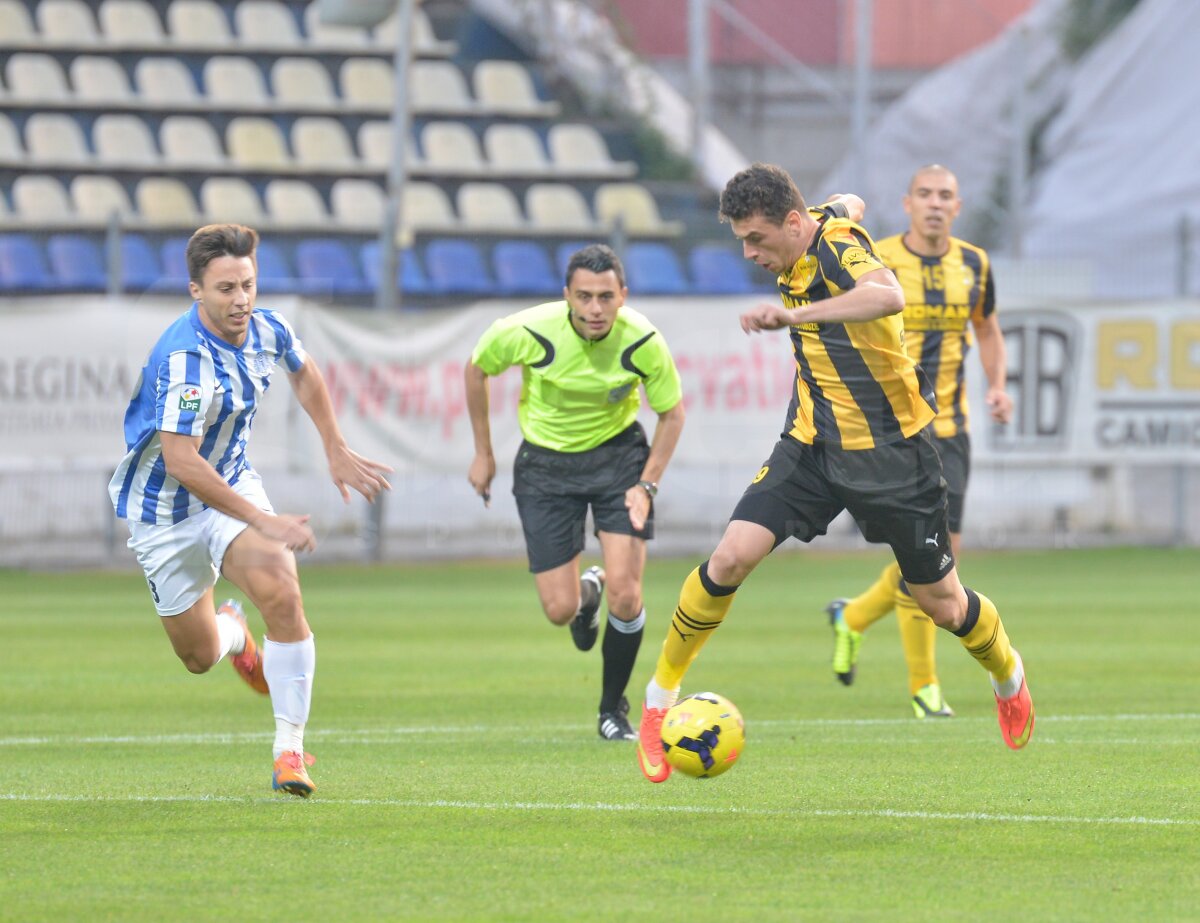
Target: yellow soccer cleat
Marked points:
248	663
930	703
291	774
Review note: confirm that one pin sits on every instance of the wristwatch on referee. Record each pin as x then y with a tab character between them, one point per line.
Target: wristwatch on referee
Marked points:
649	487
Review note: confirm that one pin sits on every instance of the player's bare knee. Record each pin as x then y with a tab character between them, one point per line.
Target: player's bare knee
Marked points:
727	567
560	611
625	602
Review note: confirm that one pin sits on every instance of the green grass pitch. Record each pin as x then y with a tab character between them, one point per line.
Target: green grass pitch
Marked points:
461	777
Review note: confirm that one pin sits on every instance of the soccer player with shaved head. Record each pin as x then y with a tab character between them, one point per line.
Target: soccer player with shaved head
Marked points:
195	505
948	295
855	438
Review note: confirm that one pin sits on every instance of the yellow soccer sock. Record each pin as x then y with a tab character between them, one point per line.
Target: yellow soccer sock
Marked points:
867	609
918	636
983	635
702	606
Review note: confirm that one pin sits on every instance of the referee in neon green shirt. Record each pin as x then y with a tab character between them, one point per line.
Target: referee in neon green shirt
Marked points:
582	361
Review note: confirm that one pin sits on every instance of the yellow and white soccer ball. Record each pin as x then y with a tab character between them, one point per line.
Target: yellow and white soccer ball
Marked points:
703	735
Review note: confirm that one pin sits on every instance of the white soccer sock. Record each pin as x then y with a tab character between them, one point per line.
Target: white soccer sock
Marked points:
289	668
230	636
658	697
1012	685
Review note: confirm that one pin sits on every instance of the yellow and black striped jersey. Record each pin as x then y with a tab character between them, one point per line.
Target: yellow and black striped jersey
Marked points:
942	296
855	385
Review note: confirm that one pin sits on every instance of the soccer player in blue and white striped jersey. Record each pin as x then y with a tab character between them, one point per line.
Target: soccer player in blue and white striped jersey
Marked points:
196	508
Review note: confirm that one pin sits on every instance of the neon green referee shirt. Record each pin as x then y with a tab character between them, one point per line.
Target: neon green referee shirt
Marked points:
577	393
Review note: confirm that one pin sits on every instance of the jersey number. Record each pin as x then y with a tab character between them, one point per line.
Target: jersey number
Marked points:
153	590
934	278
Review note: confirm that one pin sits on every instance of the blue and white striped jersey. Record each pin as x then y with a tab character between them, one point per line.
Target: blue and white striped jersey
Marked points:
196	384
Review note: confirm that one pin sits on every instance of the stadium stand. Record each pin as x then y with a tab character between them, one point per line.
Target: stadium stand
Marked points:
77	262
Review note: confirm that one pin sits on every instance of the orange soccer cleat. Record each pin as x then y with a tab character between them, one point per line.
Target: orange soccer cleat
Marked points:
651	760
1016	717
248	663
291	774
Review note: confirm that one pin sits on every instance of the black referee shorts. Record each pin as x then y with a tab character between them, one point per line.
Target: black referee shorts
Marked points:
554	490
895	493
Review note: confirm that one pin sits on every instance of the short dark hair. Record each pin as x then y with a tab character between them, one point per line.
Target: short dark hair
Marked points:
216	240
595	258
761	189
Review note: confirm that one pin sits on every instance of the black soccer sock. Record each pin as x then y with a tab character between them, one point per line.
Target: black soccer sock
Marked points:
622	640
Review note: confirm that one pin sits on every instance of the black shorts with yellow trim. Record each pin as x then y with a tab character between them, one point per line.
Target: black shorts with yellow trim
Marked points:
895	493
955	453
554	490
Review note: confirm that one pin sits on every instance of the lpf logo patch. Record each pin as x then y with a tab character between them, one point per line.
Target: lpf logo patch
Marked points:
189	398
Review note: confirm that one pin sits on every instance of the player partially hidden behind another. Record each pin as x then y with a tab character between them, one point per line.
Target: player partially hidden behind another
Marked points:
583	360
854	439
947	283
197	509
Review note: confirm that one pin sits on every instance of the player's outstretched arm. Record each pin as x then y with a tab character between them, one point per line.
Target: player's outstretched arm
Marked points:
483	465
347	468
855	207
876	294
181	455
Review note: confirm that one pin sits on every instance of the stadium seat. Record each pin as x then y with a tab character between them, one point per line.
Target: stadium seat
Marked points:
489	207
505	87
230	198
41	199
77	263
166	201
23	265
718	271
11	151
325	266
165	81
558	209
201	23
140	269
425	207
321	143
456	266
130	22
66	22
523	268
98	198
367	83
15	23
124	141
266	23
190	142
295	203
323	36
357	204
514	150
424	41
234	81
275	274
579	149
410	274
36	78
653	269
375	146
633	206
302	83
439	86
100	80
451	147
55	139
173	259
256	143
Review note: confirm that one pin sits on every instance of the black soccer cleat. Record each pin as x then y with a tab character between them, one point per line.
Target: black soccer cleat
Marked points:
585	627
614	725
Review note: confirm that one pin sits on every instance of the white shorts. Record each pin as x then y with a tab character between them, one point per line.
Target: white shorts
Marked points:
183	561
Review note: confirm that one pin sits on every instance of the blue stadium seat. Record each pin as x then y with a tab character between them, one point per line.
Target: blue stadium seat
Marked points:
718	271
411	275
275	274
173	276
654	269
564	252
325	267
523	268
78	263
456	266
140	267
23	265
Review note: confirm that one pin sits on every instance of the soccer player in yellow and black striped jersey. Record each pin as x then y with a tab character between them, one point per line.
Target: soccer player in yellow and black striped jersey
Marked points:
583	361
948	290
855	438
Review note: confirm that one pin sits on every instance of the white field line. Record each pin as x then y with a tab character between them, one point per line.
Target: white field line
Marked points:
603	808
387	735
